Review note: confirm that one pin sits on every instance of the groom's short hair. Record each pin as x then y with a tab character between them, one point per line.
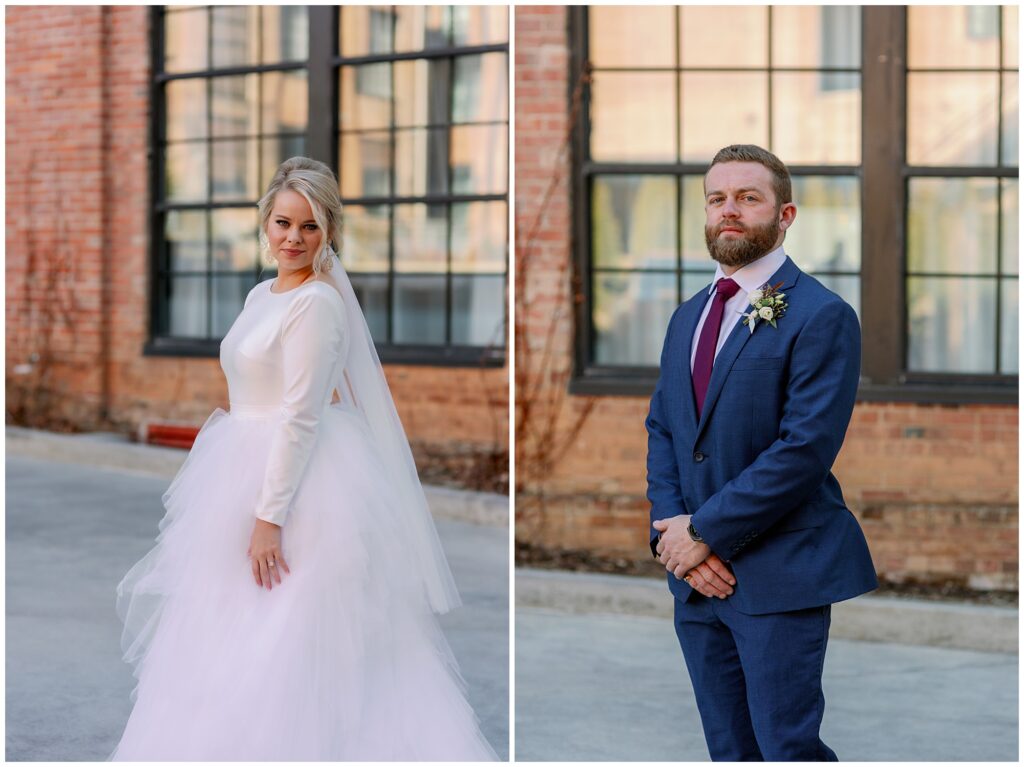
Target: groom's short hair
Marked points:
781	183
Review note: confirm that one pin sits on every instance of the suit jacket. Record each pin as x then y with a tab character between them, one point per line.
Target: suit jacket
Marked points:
755	469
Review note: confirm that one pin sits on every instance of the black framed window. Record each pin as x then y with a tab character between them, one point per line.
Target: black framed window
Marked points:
230	104
662	94
823	88
408	104
423	157
962	157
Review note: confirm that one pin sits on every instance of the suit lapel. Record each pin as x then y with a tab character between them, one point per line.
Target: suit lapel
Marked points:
786	274
690	318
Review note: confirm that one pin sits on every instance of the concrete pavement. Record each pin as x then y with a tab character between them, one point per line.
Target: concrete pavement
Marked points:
600	687
600	676
870	618
73	530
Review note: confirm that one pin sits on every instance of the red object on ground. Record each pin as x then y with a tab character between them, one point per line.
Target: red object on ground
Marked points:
171	436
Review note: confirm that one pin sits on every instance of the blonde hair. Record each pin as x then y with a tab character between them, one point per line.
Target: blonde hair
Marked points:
316	182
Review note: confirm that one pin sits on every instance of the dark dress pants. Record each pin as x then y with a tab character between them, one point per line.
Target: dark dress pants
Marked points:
757	679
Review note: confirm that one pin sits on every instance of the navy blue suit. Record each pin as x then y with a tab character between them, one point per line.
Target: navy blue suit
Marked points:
755	472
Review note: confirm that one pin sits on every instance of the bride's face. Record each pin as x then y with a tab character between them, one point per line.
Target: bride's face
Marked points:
293	233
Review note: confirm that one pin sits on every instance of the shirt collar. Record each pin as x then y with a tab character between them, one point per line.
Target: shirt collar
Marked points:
755	274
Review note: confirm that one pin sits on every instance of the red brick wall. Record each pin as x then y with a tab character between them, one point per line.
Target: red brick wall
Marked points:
78	241
55	202
935	486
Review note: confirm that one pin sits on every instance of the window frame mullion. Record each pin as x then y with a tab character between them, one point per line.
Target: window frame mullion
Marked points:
883	194
321	133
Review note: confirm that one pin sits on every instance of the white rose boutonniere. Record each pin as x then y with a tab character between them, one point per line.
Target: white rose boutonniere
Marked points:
768	305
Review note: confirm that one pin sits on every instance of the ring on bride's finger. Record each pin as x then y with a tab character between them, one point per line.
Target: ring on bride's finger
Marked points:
271	563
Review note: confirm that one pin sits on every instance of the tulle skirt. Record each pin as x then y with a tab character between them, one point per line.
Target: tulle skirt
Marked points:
343	660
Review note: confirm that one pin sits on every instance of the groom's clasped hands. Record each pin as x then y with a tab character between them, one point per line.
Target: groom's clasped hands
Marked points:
692	560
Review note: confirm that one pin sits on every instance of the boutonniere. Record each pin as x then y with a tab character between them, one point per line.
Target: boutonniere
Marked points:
768	305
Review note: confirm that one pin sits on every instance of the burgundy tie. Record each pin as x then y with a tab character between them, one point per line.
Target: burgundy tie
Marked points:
708	341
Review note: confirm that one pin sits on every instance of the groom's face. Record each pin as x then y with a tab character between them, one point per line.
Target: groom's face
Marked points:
744	221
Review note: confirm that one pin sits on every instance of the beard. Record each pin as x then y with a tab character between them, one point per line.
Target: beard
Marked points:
756	241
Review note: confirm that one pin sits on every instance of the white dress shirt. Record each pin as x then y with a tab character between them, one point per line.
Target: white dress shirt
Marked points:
749	278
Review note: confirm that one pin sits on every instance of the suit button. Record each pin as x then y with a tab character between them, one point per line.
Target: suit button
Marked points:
698	456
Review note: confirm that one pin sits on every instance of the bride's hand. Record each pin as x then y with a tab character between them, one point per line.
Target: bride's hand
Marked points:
265	554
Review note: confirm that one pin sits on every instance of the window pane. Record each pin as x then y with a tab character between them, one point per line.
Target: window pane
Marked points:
372	293
632	221
185	37
419	316
478	310
234	170
846	286
229	292
274	152
185	233
421	161
695	251
952	325
235	105
816	36
365	96
828	129
952	36
188	307
1008	318
480	88
739	101
733	36
479	24
185	166
632	36
479	236
1010	36
630	315
951	225
186	109
952	118
285	33
235	38
365	232
479	157
235	242
285	101
1010	244
420	238
421	92
365	164
421	27
1011	106
826	233
365	29
697	281
633	117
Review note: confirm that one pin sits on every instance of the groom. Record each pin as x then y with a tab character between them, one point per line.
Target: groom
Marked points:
758	379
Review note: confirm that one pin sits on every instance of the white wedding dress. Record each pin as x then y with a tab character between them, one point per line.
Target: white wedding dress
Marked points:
343	660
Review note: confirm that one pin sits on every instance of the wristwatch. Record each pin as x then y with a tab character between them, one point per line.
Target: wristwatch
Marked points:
694	534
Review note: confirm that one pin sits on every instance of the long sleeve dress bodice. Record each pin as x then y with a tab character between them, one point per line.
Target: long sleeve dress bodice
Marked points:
284	353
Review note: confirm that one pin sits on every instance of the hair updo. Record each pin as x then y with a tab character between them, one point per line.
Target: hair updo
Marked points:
316	182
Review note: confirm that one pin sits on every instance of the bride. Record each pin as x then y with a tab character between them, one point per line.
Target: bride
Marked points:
287	609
